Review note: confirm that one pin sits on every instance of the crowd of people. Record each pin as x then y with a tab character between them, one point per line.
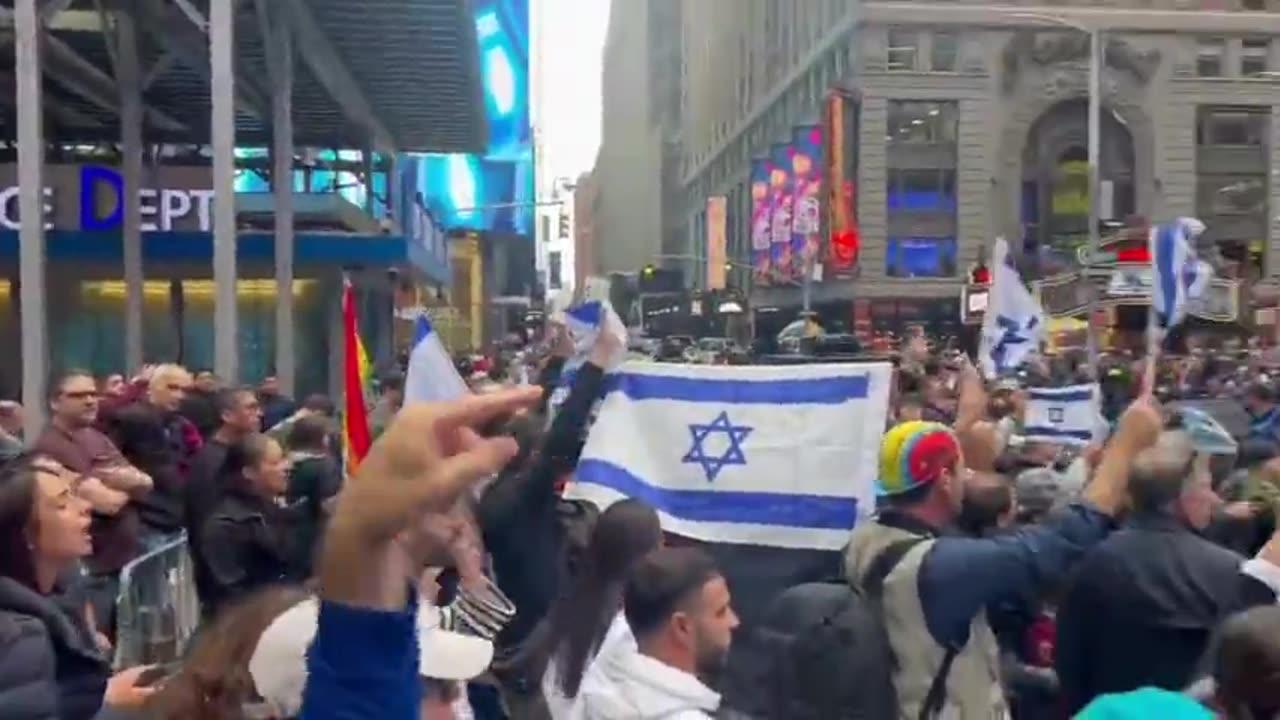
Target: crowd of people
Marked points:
449	576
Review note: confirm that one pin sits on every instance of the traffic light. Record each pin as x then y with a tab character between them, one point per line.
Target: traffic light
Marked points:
564	225
649	271
980	275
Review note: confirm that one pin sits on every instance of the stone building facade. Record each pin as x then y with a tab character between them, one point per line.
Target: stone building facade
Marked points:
972	124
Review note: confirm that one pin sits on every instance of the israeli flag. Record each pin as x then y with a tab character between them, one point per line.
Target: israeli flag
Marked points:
432	376
1014	321
1069	415
1179	276
585	322
781	456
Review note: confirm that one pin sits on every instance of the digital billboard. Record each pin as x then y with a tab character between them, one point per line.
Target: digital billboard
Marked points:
478	193
494	191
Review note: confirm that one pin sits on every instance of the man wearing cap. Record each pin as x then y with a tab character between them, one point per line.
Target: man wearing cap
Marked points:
934	596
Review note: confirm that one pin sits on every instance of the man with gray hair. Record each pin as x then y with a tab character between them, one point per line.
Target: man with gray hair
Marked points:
1146	600
10	430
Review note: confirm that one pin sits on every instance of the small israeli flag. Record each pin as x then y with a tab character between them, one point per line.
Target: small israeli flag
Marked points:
1069	415
782	456
585	322
432	376
1014	321
1178	275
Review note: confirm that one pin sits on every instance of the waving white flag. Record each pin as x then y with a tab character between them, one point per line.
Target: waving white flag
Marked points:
1014	322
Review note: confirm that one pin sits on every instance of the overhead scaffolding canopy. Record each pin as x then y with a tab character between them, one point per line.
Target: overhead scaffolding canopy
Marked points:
388	75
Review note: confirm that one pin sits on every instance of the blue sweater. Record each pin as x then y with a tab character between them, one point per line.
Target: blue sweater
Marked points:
363	665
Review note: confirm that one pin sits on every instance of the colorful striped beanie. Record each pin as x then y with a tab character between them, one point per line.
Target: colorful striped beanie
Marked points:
915	453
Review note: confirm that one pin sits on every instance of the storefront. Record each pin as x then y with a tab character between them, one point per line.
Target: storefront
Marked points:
86	291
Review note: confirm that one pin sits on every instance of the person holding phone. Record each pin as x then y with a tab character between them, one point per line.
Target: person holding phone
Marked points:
51	667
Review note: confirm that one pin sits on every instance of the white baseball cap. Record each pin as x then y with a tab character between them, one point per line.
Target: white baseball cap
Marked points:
279	662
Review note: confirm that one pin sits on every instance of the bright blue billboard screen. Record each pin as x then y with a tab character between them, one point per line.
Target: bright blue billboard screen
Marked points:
502	31
494	191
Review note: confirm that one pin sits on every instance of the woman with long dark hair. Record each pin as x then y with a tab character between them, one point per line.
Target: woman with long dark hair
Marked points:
248	541
587	622
214	682
51	667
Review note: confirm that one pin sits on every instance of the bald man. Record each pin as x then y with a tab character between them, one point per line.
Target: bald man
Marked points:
1145	601
150	434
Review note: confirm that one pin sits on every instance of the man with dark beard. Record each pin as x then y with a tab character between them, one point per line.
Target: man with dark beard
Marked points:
678	607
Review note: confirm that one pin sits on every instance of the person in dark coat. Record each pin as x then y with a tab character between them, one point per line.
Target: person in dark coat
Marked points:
315	477
158	441
200	405
239	417
276	406
51	664
1145	602
248	541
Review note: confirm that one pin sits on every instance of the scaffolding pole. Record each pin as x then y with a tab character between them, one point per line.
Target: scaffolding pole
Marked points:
280	65
223	126
35	348
129	81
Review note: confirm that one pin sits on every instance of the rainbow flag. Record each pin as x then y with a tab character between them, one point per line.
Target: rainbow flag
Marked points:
356	372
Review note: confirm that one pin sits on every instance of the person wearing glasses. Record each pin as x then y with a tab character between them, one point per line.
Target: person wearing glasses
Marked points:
104	479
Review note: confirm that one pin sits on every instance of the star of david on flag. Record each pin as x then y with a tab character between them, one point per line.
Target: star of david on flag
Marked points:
732	453
1070	415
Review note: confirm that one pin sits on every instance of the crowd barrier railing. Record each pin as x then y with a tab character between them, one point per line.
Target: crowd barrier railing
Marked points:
157	611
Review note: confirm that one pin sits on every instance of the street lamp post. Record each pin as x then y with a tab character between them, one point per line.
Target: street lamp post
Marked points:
1097	63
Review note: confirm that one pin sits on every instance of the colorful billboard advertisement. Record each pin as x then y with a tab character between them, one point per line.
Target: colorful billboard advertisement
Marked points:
841	185
761	219
494	191
806	178
717	215
781	204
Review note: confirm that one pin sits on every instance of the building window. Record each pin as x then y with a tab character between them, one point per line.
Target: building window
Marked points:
1232	126
1253	56
912	121
913	257
1209	57
945	52
921	190
553	271
903	49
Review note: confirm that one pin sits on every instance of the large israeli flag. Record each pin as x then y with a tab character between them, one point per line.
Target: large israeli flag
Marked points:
1014	321
432	376
1178	275
759	455
1069	415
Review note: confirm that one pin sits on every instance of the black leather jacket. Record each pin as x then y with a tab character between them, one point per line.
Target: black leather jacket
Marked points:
247	543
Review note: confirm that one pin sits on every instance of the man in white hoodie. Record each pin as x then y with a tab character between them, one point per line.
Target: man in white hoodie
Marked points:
677	605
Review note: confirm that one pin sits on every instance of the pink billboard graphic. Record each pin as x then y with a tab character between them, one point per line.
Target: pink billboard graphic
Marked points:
806	174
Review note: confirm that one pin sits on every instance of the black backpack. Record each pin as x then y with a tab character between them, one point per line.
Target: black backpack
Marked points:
829	651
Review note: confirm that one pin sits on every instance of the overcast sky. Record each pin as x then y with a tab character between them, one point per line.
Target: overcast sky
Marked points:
571	51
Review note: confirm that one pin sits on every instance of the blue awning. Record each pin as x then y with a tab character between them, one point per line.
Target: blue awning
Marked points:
310	248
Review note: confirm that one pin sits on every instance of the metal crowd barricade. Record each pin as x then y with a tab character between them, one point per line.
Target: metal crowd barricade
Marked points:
157	611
